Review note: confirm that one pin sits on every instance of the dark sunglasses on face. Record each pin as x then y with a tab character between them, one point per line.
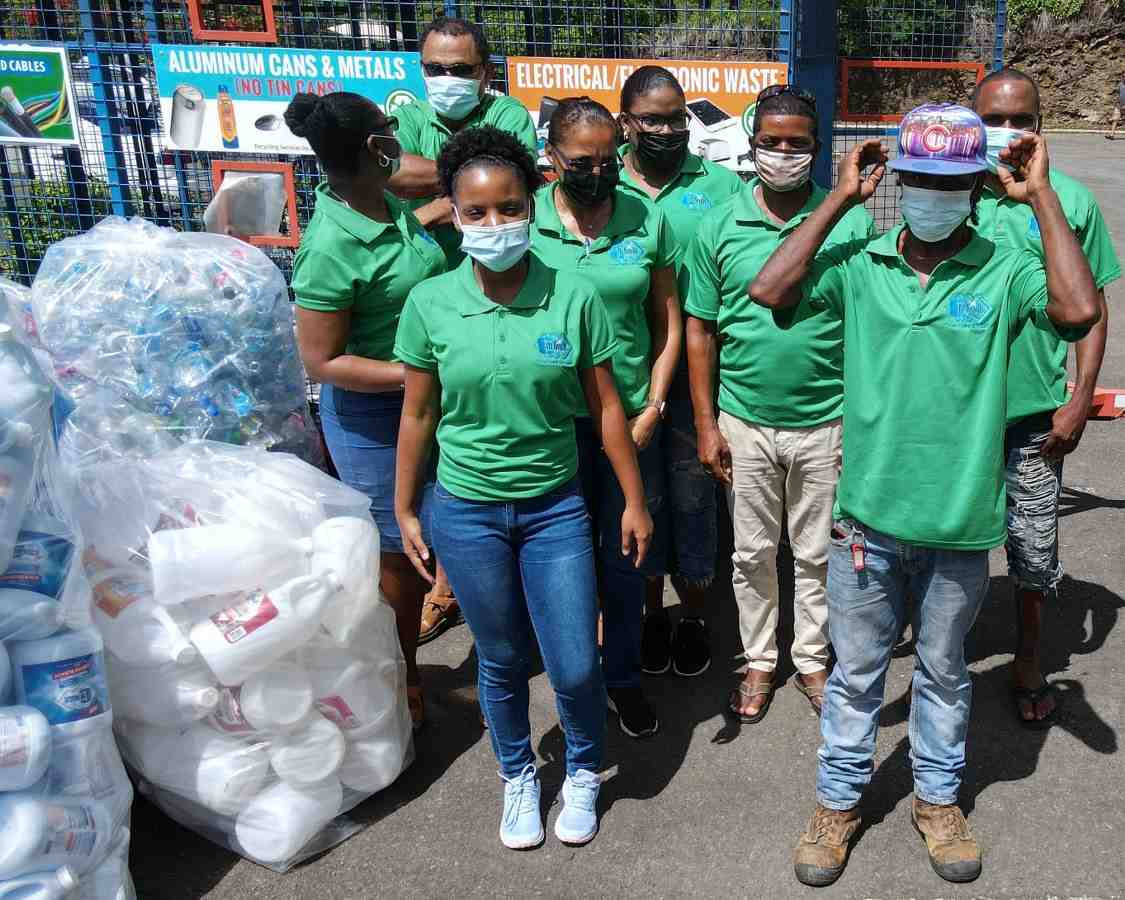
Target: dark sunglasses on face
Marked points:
775	90
586	165
676	122
459	70
1019	121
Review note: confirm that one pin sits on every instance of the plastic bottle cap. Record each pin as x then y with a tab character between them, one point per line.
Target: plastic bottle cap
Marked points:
67	879
209	698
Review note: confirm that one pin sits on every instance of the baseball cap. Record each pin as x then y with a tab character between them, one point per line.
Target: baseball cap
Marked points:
941	139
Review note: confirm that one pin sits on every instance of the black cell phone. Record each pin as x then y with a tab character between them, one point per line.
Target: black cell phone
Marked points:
547	107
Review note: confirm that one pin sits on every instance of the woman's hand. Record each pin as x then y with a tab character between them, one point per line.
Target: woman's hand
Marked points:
636	532
413	545
643	427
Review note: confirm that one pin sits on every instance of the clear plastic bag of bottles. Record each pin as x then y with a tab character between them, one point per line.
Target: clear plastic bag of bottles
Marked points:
257	683
161	337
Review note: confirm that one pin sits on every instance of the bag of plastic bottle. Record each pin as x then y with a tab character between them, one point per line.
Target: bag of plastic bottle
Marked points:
162	336
254	673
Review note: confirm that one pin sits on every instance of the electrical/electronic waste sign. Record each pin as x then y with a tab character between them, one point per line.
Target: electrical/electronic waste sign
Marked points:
36	99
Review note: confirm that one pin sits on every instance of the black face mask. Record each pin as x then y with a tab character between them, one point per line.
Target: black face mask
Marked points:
588	189
663	151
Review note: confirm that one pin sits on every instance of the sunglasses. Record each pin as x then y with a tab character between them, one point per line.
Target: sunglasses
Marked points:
586	165
459	70
776	90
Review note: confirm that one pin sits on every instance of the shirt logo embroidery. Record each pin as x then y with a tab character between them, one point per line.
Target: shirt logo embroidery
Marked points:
427	237
554	350
696	201
1033	231
628	252
970	311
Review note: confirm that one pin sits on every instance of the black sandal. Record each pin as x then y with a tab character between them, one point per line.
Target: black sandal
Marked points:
747	691
1035	696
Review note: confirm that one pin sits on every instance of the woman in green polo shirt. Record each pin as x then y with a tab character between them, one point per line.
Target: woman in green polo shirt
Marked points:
657	166
587	224
502	354
360	256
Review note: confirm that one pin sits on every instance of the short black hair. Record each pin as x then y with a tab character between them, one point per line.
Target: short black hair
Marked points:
645	80
336	126
488	147
456	28
1008	73
785	104
574	111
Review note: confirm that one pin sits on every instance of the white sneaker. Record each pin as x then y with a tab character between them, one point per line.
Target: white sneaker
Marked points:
578	821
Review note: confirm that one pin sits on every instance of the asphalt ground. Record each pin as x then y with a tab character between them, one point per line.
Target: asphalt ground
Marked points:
710	809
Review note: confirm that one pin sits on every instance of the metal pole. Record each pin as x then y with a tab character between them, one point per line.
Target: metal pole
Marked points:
1001	30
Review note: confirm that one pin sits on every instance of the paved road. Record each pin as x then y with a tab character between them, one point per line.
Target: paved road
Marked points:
706	809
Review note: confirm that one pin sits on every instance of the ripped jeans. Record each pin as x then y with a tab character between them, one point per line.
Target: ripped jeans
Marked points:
1033	486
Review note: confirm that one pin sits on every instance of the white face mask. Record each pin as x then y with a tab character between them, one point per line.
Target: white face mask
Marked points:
453	98
783	172
933	216
998	139
496	247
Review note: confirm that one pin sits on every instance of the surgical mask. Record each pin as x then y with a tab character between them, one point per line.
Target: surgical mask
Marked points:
496	247
998	139
587	189
783	172
933	216
661	150
453	98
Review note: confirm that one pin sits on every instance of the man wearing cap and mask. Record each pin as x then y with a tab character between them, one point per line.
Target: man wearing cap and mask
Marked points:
457	70
929	311
1044	424
775	442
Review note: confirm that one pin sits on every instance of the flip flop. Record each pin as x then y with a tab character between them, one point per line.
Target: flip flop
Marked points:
812	693
748	691
1034	696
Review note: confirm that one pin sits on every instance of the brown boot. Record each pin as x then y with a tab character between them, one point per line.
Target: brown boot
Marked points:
823	850
439	614
954	852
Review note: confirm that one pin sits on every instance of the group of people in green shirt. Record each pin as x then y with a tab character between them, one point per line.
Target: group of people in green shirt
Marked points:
543	386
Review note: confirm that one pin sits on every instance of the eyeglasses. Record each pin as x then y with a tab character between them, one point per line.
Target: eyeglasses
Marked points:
587	166
776	90
458	70
675	122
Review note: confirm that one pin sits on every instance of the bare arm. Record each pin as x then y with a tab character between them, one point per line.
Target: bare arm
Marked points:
608	417
778	283
1069	421
703	358
415	438
322	338
438	211
666	326
416	178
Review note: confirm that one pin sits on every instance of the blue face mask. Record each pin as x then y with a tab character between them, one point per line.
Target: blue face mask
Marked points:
453	98
933	216
998	139
496	247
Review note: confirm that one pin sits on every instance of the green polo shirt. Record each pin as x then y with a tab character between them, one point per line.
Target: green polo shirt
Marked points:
619	263
1037	371
509	377
925	377
422	133
700	186
349	261
788	377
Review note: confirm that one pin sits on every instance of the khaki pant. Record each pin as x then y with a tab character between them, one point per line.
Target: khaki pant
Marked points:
792	472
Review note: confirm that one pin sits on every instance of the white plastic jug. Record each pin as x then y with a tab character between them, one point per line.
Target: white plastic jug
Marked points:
277	699
40	885
309	755
283	818
355	693
25	747
136	630
31	588
348	546
219	559
251	636
64	678
168	698
379	758
88	765
38	833
200	765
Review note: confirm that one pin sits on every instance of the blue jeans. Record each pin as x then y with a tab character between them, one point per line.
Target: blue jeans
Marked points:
693	524
621	583
361	431
865	615
1034	484
523	573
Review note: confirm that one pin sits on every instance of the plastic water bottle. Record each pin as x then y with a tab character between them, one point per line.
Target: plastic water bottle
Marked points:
219	773
64	678
38	833
283	818
168	699
243	639
137	631
219	559
5	675
88	766
31	588
25	747
276	699
40	885
310	755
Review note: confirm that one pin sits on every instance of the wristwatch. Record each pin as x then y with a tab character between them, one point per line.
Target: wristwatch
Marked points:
658	405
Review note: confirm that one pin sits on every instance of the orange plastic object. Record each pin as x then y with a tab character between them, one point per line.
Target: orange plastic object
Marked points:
1109	403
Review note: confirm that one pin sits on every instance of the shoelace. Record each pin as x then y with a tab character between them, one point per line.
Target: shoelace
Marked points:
956	824
827	823
583	790
522	798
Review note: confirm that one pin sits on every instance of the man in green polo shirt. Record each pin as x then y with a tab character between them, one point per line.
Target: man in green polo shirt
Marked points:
776	441
457	71
1044	425
929	312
